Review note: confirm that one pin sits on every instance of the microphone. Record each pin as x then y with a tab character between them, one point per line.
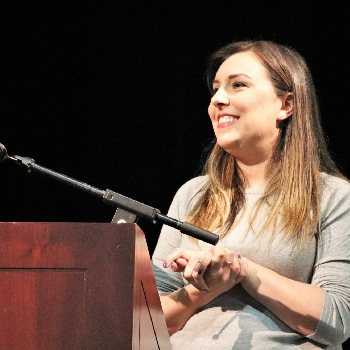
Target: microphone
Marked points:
3	153
4	156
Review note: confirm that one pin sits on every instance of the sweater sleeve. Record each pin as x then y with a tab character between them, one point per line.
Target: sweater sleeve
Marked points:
167	281
332	265
170	238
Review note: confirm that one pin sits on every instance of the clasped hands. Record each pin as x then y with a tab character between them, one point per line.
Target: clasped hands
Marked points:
216	271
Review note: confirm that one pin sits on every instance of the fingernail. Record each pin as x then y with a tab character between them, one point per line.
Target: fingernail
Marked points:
165	264
239	257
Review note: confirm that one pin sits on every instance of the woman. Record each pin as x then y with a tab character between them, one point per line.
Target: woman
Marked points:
280	274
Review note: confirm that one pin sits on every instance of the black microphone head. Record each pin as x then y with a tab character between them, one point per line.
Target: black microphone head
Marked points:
3	153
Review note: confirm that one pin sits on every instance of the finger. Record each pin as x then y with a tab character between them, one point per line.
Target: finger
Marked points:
243	269
229	259
234	275
227	264
196	259
235	268
176	254
219	256
179	265
194	262
202	264
199	270
175	267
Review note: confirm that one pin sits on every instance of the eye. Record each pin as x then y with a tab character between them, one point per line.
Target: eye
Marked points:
238	84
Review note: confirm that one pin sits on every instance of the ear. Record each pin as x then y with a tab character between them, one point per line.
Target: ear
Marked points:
286	107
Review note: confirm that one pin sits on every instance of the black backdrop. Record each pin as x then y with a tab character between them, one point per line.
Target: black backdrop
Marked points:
113	94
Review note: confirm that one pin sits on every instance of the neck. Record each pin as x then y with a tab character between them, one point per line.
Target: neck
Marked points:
257	174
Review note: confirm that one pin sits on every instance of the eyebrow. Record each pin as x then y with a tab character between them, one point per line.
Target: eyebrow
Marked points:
231	76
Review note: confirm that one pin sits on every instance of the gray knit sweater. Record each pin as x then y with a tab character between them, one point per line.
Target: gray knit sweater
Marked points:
235	320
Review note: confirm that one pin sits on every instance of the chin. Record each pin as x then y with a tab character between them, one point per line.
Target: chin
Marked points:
226	142
229	148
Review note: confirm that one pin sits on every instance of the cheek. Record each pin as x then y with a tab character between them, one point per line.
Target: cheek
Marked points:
211	112
262	105
249	103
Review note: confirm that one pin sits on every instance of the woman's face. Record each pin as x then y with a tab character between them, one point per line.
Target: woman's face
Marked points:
245	108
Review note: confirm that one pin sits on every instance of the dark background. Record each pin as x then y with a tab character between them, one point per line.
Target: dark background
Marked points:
113	94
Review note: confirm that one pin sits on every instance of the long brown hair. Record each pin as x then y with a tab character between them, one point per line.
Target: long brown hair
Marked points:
293	191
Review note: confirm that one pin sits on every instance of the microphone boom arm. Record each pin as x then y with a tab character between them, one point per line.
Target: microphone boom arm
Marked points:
127	205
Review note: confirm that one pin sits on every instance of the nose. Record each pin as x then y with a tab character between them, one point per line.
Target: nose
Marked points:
220	99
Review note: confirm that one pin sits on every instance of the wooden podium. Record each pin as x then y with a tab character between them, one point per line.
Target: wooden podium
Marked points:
78	286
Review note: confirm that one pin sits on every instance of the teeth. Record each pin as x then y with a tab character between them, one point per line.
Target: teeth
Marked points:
227	119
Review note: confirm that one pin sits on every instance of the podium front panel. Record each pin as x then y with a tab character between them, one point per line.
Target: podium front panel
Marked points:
66	286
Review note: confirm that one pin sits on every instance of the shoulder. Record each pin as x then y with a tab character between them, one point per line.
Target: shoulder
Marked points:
335	195
334	185
193	186
180	205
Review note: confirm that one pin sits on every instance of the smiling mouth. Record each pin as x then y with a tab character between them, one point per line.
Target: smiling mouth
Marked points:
227	119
